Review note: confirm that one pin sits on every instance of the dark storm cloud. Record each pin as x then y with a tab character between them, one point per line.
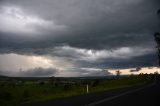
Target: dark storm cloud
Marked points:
95	24
110	63
82	25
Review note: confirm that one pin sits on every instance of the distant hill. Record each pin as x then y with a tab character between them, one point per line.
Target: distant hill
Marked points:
2	77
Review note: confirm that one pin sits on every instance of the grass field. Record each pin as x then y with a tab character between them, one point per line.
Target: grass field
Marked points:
27	92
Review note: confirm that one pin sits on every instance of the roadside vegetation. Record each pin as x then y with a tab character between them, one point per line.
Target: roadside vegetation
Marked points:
17	91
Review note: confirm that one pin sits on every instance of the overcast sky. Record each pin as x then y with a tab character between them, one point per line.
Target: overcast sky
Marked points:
76	37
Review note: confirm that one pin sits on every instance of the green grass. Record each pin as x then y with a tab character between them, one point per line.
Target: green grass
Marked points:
13	95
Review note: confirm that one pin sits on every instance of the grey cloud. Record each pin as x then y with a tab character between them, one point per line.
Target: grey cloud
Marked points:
90	71
79	57
110	63
105	24
89	55
91	27
96	55
36	72
93	72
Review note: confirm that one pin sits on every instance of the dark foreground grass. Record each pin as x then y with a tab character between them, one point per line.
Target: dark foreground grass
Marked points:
20	94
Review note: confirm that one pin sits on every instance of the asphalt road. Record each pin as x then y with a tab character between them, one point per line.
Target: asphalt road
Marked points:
148	95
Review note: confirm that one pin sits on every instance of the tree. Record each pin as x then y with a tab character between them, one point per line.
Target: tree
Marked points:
156	73
52	80
157	39
95	82
118	73
158	12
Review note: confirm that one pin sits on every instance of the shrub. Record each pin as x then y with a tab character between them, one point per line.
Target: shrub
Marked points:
95	83
25	94
5	95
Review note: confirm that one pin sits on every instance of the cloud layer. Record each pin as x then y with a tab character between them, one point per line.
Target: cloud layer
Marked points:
76	34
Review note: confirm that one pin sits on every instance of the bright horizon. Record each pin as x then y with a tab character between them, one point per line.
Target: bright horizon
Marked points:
144	70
